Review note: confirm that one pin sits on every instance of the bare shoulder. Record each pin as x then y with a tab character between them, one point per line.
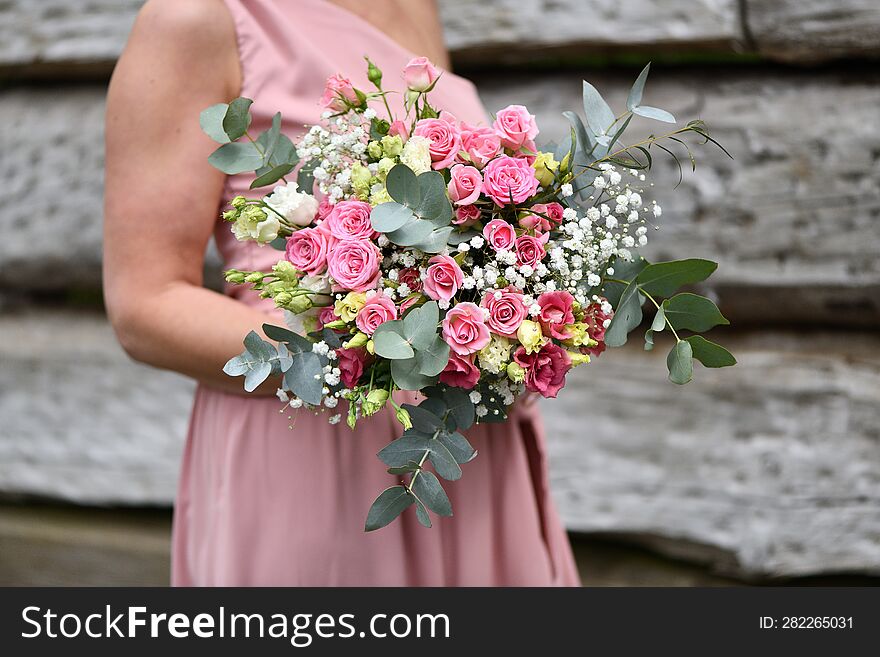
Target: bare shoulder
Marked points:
188	37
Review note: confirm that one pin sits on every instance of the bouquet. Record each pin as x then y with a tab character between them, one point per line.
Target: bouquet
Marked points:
460	261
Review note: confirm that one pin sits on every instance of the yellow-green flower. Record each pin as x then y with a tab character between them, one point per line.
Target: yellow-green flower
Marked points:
380	196
360	180
357	340
374	149
577	358
348	307
545	165
530	336
392	146
374	402
515	372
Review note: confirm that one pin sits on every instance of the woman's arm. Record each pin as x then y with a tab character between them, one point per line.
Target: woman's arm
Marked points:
162	197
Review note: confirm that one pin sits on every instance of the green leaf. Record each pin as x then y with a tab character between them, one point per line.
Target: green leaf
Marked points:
423	420
433	203
406	450
390	504
664	278
443	462
306	377
285	151
709	353
680	362
599	115
389	217
268	141
273	175
428	489
279	244
297	342
692	312
259	360
654	113
638	88
458	446
460	406
583	142
422	514
627	316
305	179
237	118
211	121
420	325
436	241
403	469
659	322
625	270
413	233
434	359
389	342
407	374
236	158
403	186
649	340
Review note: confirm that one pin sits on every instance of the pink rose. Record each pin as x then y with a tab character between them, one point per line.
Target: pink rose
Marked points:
354	265
307	250
529	250
398	129
506	310
506	178
465	184
480	143
325	316
442	278
464	329
499	234
542	217
338	93
325	207
351	365
350	220
409	302
410	277
528	152
545	369
445	140
460	372
466	215
556	313
515	126
419	74
378	310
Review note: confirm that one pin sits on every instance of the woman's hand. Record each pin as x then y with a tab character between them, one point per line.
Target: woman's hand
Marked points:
162	197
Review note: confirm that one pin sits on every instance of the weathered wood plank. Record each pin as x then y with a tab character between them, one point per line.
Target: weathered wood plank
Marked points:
814	30
771	467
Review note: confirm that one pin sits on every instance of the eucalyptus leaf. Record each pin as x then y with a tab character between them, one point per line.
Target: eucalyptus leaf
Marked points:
389	342
268	140
654	113
273	175
680	362
423	420
412	233
460	406
297	343
389	217
305	378
420	325
427	488
709	353
649	340
458	446
443	462
664	278
211	121
390	504
635	94
403	185
256	375
433	359
433	203
237	119
692	312
436	241
422	514
236	158
627	316
404	451
279	244
305	179
407	374
659	322
625	270
583	141
599	115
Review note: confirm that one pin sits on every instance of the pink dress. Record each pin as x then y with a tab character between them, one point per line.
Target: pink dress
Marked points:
261	504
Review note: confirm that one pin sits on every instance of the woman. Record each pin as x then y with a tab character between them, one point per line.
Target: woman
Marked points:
260	504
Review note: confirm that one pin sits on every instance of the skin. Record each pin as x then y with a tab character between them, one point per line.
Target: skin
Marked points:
162	198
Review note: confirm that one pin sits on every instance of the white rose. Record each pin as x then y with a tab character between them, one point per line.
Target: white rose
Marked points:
298	208
262	232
